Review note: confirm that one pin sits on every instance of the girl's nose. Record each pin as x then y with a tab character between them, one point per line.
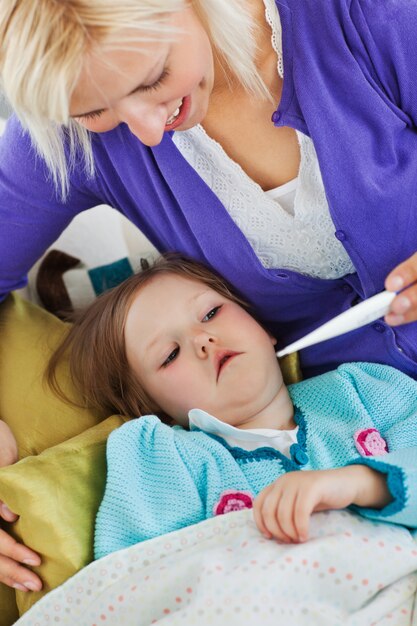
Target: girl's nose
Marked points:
203	343
145	120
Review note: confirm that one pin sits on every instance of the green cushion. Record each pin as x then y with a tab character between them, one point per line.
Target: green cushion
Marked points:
37	417
57	494
40	420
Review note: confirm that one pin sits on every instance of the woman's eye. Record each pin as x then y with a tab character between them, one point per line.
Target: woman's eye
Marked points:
171	357
90	116
157	83
211	314
94	115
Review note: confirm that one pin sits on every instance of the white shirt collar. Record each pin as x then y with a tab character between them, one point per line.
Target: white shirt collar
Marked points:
248	439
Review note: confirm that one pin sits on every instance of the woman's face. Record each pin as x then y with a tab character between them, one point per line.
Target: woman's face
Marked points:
152	87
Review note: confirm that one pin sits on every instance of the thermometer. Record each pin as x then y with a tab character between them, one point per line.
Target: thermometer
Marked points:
364	313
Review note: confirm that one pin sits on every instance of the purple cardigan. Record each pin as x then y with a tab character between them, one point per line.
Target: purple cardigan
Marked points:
350	84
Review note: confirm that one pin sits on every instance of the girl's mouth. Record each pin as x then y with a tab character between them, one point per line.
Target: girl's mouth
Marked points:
179	116
223	360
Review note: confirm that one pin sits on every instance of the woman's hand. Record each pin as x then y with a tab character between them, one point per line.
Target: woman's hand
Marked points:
283	509
12	554
404	306
8	446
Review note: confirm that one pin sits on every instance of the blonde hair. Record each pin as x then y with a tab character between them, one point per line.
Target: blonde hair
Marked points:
95	350
43	44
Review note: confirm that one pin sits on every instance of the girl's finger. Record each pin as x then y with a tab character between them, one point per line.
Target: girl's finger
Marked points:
257	508
285	513
269	517
303	508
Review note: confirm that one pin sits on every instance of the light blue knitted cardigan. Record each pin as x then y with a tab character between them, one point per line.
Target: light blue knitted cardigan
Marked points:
161	479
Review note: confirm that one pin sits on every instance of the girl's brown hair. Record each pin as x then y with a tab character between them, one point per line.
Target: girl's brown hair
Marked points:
95	345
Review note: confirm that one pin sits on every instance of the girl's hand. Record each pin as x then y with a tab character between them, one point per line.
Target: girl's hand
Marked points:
404	306
283	509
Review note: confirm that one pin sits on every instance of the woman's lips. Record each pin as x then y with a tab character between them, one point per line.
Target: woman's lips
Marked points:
182	116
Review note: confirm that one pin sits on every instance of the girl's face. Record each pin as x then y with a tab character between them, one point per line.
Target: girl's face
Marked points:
193	348
152	87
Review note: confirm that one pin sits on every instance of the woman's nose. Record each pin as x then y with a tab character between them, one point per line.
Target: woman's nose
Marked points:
203	343
146	121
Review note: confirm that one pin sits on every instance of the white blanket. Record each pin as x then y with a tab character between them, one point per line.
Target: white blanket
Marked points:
351	572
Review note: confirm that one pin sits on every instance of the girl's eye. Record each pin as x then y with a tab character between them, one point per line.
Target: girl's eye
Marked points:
157	83
171	357
211	314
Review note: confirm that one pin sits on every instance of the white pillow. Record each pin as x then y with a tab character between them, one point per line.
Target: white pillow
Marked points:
99	236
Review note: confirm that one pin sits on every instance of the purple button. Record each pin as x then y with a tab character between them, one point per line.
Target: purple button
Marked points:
347	288
380	328
340	235
275	117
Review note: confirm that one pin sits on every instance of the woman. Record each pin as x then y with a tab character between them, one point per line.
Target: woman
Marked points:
305	216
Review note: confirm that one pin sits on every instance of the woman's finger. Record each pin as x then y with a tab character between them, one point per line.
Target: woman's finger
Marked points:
6	513
404	307
13	557
404	274
17	552
8	446
15	575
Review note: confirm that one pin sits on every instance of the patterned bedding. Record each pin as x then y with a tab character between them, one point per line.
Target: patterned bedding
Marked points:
352	572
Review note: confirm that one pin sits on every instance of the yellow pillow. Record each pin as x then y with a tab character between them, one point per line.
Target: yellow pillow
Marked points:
290	367
37	418
57	494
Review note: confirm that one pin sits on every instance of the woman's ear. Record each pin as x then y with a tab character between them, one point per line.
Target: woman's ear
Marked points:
273	340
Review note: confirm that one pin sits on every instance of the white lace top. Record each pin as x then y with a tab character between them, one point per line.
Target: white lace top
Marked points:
288	227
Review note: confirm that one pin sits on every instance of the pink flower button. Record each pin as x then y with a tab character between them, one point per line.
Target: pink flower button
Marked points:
231	500
369	442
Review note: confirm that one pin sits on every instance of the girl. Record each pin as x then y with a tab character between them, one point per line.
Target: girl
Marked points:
175	342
